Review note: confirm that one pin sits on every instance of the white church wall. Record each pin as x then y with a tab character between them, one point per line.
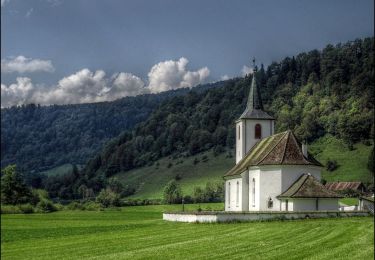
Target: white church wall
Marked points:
239	140
270	187
291	173
267	130
328	204
304	205
254	200
245	191
233	191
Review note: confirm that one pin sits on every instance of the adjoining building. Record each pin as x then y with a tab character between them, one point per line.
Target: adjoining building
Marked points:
342	186
273	172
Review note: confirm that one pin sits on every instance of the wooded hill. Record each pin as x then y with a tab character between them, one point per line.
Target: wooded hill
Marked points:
37	137
313	94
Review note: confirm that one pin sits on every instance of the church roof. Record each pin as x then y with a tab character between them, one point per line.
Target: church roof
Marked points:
278	149
254	106
307	186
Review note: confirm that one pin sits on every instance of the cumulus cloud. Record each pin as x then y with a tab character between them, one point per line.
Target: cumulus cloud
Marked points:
86	86
22	64
246	70
171	74
17	93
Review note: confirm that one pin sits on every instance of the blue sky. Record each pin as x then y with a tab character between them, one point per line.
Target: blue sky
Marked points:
112	48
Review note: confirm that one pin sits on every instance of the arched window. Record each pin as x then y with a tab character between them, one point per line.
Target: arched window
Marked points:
270	203
228	194
258	131
238	194
239	132
253	193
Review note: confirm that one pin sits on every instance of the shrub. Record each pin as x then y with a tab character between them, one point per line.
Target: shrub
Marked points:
26	208
108	198
169	165
331	165
177	177
91	206
46	206
74	205
172	192
10	209
196	160
204	158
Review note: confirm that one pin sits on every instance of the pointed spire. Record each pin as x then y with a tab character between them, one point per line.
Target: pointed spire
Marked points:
254	106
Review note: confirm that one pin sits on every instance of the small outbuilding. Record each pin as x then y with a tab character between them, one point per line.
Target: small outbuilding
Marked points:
347	185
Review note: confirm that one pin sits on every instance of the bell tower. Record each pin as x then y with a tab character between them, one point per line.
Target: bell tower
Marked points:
254	123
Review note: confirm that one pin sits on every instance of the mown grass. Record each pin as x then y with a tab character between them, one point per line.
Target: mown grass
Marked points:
140	233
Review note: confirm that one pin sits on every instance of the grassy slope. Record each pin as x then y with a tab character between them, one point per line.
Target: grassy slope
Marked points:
352	164
140	233
152	179
59	170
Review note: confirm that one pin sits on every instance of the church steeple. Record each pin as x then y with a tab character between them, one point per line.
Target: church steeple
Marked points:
254	106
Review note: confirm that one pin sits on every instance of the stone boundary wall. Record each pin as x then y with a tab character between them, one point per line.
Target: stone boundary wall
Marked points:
220	216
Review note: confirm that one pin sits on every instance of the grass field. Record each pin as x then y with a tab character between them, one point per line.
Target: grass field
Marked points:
352	164
150	180
140	233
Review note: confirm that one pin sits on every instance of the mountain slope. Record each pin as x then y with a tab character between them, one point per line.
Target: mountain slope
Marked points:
37	138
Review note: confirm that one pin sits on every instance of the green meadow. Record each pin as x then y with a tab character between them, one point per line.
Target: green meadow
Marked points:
140	233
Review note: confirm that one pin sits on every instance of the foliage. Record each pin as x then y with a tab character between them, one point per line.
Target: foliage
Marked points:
45	206
108	198
313	94
140	233
331	165
37	138
172	192
13	189
210	193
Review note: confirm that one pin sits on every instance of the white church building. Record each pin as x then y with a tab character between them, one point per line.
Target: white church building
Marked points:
273	172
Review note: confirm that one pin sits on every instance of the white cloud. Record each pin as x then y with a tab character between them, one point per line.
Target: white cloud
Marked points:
3	2
17	93
22	64
246	70
86	86
171	74
29	12
224	77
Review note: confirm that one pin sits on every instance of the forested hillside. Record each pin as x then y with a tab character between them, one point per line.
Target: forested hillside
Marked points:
315	93
41	137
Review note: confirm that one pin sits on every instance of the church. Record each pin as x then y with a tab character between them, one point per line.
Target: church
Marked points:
273	172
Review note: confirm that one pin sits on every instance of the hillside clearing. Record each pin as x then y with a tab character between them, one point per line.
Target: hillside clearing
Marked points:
140	233
150	180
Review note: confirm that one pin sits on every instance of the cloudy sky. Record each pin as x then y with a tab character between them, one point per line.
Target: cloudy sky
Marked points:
77	51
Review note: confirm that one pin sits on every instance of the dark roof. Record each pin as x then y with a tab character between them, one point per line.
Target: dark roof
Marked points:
254	106
307	186
278	149
355	185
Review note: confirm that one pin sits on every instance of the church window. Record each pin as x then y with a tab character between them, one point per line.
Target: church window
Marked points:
238	194
270	203
228	194
253	193
239	132
258	131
